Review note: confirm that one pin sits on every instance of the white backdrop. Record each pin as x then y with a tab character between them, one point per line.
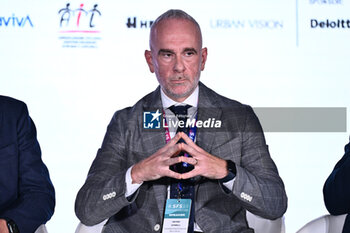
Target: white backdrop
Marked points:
263	53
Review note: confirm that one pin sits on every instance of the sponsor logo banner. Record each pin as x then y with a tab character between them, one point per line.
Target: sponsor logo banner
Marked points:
330	24
134	22
15	21
79	26
251	24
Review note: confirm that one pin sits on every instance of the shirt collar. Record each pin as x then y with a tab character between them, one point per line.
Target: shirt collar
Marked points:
191	100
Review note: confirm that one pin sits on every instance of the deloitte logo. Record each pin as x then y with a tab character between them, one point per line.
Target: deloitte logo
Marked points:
330	24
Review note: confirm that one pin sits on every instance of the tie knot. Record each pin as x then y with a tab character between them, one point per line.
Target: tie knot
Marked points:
180	110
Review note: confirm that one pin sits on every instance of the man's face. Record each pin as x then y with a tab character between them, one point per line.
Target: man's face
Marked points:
176	57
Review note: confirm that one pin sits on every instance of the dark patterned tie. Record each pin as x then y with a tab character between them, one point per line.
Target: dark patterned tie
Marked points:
183	188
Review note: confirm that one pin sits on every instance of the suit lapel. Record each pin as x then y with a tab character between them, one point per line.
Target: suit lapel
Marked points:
208	108
1	116
153	139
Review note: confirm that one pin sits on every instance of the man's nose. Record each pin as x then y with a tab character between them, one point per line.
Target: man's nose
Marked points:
179	65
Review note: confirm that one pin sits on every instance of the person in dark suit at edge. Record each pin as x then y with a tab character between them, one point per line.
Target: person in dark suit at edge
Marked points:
336	190
136	170
27	196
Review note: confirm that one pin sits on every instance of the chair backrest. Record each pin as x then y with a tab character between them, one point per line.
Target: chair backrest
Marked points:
260	225
325	224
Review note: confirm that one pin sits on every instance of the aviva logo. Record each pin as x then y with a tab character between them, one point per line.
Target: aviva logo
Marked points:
15	21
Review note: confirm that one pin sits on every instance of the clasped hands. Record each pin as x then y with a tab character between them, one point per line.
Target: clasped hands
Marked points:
157	165
3	226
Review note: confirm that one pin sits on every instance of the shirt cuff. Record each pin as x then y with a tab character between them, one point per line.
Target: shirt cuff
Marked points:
229	184
130	187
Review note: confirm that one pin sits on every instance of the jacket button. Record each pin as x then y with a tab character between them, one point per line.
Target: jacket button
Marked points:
156	227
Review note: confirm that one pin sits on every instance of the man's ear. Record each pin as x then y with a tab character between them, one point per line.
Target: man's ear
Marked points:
204	54
148	56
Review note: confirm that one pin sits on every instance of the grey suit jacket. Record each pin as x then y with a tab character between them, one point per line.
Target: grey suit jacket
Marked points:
257	186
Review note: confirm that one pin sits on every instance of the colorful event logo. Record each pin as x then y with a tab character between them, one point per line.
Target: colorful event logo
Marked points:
72	18
77	25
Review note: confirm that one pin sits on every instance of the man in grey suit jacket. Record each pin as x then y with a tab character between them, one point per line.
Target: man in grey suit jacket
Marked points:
233	171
